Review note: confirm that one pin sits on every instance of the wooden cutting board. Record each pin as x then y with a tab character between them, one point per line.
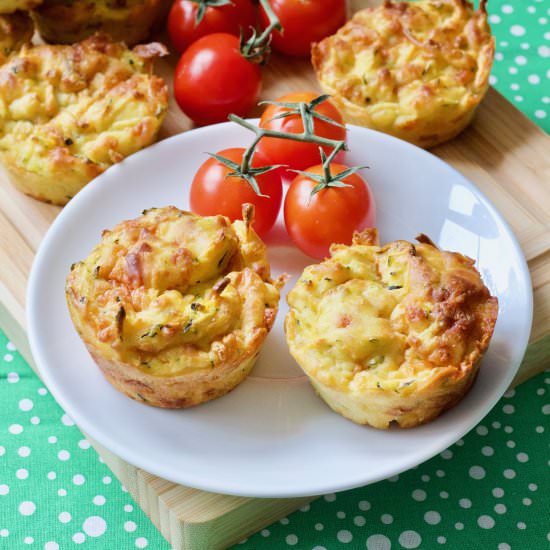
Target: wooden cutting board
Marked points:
502	152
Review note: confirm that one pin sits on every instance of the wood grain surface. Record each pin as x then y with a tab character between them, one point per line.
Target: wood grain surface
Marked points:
502	152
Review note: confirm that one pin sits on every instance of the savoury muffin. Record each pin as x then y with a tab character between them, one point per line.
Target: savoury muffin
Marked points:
131	21
174	307
390	334
10	6
15	30
414	70
67	113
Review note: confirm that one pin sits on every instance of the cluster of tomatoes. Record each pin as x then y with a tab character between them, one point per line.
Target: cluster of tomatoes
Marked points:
315	215
215	76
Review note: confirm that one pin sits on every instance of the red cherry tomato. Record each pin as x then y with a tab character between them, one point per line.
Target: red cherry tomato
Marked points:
213	192
213	79
304	22
229	18
329	216
295	154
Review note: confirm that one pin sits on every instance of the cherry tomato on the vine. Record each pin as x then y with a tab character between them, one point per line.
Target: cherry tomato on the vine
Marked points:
213	79
213	192
231	17
296	154
329	216
304	22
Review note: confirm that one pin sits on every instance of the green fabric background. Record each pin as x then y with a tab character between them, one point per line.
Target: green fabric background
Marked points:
490	490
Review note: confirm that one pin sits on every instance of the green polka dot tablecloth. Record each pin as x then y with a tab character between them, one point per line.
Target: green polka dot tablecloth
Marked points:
491	490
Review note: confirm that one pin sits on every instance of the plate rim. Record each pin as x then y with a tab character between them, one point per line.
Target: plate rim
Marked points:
97	433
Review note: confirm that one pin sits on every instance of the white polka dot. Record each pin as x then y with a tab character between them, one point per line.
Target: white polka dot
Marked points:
482	430
494	18
364	505
500	508
305	508
527	501
520	60
517	30
524	46
52	475
15	429
130	526
99	500
107	480
62	492
507	8
79	538
319	526
544	51
23	452
513	87
64	517
521	525
393	479
447	454
28	540
493	80
513	70
67	420
542	391
508	409
63	455
4	489
319	548
52	545
543	20
284	521
265	532
410	539
504	546
533	79
79	479
459	526
387	519
94	526
378	542
142	542
13	377
465	503
8	358
487	451
496	425
511	444
10	346
42	391
27	508
26	405
419	495
509	473
2	450
440	473
359	521
344	536
330	497
486	522
128	508
425	478
518	98
35	420
542	114
432	517
52	439
4	533
477	472
340	515
291	540
532	486
444	494
522	457
22	473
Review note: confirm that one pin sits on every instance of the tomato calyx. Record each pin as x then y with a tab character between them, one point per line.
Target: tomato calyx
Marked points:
257	48
203	4
327	178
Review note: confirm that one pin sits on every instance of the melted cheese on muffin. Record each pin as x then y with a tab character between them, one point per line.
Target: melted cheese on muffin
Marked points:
173	293
67	113
15	30
414	70
395	320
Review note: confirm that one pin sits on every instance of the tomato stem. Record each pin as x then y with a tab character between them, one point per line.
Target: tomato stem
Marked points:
258	48
203	4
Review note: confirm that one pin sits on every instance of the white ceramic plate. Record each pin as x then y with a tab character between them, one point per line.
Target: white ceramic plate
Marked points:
272	436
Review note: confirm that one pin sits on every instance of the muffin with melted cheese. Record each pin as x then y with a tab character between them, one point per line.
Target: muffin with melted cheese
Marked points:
67	113
390	334
15	30
415	70
174	307
11	6
131	21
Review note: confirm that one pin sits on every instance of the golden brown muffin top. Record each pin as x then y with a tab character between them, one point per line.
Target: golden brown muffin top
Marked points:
392	317
171	292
